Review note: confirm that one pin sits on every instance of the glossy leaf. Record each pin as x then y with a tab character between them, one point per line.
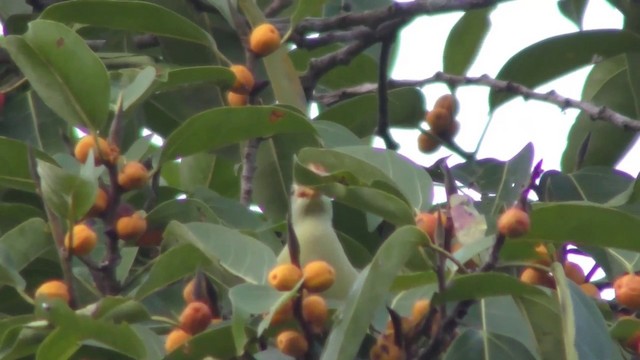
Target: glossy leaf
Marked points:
139	89
475	344
217	342
219	127
69	195
172	266
465	40
584	224
573	10
360	114
176	78
556	56
306	9
64	72
477	286
542	313
134	16
241	255
368	293
26	242
15	172
335	135
612	83
584	184
182	210
504	179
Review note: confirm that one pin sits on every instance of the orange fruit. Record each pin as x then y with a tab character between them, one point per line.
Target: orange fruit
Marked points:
447	102
175	339
235	99
537	277
627	289
315	312
292	343
590	290
514	222
318	276
54	289
133	175
264	39
439	121
244	79
131	227
195	317
284	277
427	144
84	240
574	272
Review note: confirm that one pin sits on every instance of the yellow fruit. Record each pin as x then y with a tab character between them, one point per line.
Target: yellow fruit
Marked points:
133	175
315	312
285	277
428	144
87	143
590	290
542	255
292	343
100	203
176	338
283	314
420	309
574	272
514	223
234	99
54	289
318	276
131	227
264	39
187	292
447	102
439	121
406	324
84	240
427	222
627	288
244	79
195	317
537	277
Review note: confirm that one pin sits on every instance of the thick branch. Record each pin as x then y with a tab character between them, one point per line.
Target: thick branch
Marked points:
594	111
248	171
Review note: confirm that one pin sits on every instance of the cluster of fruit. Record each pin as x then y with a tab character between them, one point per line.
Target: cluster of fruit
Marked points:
442	124
81	239
387	346
317	277
263	40
197	315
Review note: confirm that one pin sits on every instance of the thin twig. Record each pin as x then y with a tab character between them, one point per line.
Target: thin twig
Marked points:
248	171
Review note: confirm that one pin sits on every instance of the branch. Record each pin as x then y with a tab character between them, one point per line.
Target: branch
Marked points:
276	7
248	171
594	111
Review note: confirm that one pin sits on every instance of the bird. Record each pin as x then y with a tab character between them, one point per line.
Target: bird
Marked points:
311	215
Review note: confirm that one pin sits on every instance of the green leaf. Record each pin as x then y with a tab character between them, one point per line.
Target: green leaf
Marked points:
119	310
369	293
219	127
566	306
176	78
64	71
241	255
135	16
465	40
475	344
584	224
15	173
482	285
216	342
258	299
14	214
360	114
335	135
140	88
69	195
26	242
72	329
624	329
414	183
171	266
542	314
556	56
612	83
182	210
584	184
306	9
9	274
573	10
504	179
8	8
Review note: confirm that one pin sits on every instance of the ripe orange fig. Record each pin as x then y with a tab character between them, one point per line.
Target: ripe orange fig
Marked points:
427	222
235	99
439	121
244	79
187	292
542	255
574	272
54	289
176	338
590	290
100	203
627	289
514	222
427	144
318	276
84	240
447	102
264	39
131	227
315	312
283	314
195	317
420	309
537	277
133	175
100	152
292	343
284	277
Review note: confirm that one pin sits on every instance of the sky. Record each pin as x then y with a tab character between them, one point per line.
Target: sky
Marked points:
515	25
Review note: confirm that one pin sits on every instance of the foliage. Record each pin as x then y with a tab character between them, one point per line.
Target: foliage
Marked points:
116	69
